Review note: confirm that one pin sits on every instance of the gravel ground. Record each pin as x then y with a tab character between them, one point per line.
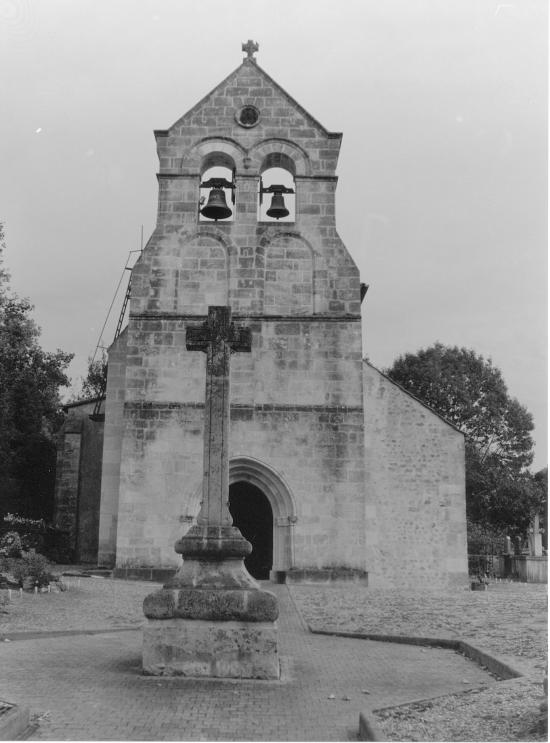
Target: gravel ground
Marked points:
508	620
89	603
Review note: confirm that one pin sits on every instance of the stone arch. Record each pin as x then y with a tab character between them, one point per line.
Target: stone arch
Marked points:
281	500
271	149
203	275
278	160
224	149
289	269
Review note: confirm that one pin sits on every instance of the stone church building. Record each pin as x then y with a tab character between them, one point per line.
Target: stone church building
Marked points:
335	471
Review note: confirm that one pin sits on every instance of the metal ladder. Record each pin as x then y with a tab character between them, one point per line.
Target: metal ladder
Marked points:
96	414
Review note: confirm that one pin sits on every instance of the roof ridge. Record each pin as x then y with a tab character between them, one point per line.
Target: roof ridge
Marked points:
410	394
248	62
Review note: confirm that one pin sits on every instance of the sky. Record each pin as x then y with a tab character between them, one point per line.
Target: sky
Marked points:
442	194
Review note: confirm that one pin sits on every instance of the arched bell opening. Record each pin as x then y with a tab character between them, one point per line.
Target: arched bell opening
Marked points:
277	192
217	188
253	516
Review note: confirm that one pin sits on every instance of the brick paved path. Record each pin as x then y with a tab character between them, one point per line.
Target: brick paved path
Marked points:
90	687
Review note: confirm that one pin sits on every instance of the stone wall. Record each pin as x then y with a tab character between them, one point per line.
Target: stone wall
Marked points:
110	469
297	397
415	506
78	480
294	410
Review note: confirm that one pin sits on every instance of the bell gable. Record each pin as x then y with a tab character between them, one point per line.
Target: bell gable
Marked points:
245	110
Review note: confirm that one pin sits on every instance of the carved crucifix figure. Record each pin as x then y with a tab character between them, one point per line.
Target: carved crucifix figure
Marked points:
218	337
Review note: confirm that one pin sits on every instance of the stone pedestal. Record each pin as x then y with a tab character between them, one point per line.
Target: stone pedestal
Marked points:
212	618
180	647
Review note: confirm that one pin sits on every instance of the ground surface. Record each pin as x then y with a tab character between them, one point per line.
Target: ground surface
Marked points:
99	692
509	621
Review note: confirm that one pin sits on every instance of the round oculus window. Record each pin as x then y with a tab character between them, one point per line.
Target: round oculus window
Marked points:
248	116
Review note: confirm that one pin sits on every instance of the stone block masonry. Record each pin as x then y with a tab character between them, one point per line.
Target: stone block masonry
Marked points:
416	456
78	482
317	450
219	649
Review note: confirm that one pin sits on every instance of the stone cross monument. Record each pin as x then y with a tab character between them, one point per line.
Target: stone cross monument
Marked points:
212	618
218	337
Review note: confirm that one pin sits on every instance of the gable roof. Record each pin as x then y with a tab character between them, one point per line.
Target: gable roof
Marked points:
83	401
246	63
416	399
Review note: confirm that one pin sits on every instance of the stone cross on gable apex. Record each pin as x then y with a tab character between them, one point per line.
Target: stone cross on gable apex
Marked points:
251	47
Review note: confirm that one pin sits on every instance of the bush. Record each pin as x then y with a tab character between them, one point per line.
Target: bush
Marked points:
10	544
32	570
38	535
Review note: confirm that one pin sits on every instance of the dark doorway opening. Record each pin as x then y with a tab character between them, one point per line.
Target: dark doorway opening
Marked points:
252	514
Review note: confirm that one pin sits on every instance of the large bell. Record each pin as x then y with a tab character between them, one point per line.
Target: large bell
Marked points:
216	207
277	208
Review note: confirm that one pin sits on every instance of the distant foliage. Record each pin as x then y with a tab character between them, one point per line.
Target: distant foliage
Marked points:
37	534
484	539
10	544
30	406
94	383
468	391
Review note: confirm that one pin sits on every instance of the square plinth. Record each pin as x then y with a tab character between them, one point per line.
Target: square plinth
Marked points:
196	647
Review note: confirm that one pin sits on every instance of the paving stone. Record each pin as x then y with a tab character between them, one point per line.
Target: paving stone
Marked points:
90	687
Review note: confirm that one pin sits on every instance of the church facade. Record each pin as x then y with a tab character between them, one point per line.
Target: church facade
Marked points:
335	471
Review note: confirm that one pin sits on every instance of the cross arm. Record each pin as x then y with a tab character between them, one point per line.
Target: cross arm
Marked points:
196	339
240	339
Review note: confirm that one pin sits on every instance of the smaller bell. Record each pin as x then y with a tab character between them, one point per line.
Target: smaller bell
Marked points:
216	207
277	208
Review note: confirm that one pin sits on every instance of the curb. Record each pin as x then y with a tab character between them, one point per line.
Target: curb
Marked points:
36	635
495	665
367	730
14	722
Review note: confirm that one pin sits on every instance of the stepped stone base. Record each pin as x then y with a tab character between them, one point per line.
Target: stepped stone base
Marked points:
226	649
212	618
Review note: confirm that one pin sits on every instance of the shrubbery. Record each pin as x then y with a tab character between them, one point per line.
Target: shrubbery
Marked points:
36	534
10	544
29	571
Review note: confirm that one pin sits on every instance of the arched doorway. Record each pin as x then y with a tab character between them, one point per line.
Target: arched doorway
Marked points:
270	484
253	516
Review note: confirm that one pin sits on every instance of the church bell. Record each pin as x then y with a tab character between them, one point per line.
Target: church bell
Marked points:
278	209
216	206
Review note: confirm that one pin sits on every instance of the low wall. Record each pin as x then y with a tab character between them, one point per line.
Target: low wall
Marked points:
526	568
531	569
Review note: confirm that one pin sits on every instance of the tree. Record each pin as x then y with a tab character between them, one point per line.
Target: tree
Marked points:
30	405
468	391
94	383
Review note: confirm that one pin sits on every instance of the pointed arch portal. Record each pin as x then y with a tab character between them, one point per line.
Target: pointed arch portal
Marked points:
263	507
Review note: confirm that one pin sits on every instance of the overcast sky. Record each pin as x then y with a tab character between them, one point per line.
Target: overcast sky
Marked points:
441	199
